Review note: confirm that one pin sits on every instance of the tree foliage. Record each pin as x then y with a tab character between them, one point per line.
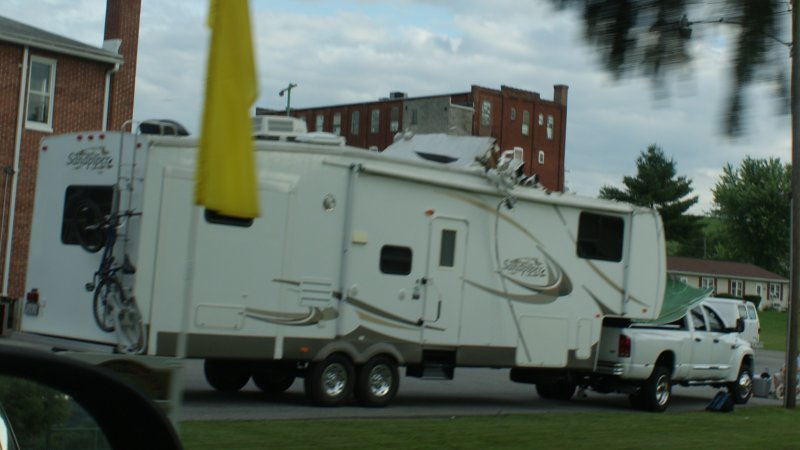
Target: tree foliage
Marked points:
33	410
752	202
652	38
656	186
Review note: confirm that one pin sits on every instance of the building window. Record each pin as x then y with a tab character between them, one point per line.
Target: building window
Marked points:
707	283
486	113
541	119
774	291
513	113
40	93
526	120
355	117
759	291
736	288
600	237
395	260
375	122
337	124
684	280
320	122
541	157
550	123
414	116
394	119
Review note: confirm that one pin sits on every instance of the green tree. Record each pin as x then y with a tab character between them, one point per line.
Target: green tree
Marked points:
652	38
33	410
656	186
752	202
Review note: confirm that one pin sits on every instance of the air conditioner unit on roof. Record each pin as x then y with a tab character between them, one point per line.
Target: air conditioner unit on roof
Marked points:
280	128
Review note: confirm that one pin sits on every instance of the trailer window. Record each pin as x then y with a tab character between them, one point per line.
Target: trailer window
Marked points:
447	254
84	206
395	260
600	237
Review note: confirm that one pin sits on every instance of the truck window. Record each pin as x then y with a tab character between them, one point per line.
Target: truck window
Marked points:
600	237
698	319
715	323
751	312
447	254
84	206
395	260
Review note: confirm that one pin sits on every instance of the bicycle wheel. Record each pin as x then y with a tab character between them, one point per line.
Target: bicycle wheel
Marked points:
88	222
108	297
130	328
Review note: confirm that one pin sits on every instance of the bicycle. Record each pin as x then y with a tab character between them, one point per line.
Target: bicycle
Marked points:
112	308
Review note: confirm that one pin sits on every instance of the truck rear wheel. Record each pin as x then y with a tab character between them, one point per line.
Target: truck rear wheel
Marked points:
377	381
561	389
742	389
656	391
273	381
330	382
225	376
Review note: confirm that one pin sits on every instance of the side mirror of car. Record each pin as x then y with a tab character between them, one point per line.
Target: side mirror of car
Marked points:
127	418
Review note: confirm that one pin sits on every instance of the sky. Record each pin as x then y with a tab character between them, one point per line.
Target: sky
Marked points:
346	51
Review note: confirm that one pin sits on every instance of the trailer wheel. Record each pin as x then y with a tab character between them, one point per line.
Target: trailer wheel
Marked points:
330	382
273	381
107	296
656	390
560	389
377	381
225	376
742	389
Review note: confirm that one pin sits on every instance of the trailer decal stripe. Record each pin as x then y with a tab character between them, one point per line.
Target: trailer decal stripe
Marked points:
312	317
366	307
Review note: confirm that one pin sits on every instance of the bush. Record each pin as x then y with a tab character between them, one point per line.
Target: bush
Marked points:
755	299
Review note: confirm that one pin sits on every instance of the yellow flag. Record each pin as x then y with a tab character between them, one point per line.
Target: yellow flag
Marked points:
225	180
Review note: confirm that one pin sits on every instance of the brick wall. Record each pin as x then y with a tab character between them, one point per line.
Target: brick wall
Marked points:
122	22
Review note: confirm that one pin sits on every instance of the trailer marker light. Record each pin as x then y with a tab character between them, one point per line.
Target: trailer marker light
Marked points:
80	137
624	348
90	137
44	148
429	212
33	296
304	349
102	136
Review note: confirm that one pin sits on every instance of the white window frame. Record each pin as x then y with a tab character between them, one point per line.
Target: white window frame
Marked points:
486	113
375	121
34	124
774	291
541	119
355	118
337	123
550	126
541	157
319	122
707	282
737	288
526	119
394	119
513	114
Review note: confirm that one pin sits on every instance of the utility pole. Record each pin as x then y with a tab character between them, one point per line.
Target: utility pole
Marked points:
288	91
794	300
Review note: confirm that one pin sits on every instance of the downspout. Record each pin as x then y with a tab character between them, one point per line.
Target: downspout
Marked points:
15	171
107	95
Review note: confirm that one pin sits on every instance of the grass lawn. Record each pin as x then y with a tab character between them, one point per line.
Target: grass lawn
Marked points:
773	330
757	427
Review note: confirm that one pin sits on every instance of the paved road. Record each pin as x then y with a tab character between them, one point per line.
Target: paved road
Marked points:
472	392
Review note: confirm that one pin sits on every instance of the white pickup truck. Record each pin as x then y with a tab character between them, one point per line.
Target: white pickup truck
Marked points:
644	361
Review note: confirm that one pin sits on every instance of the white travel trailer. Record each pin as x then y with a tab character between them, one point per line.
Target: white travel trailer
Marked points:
359	264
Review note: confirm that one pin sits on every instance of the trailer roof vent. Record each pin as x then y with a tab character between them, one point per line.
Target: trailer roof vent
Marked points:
278	128
162	127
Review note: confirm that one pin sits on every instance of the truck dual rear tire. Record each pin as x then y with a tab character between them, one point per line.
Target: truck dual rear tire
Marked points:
655	393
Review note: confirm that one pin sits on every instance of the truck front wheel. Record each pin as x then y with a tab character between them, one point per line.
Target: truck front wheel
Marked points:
656	391
225	376
742	389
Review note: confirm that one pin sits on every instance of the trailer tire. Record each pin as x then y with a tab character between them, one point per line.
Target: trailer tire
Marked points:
656	390
273	381
560	389
330	382
107	296
742	389
377	381
225	376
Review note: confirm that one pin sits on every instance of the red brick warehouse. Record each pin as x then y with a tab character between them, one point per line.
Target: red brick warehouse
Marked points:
514	117
50	85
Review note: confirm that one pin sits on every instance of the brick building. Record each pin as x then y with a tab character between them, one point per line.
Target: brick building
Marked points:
514	117
50	85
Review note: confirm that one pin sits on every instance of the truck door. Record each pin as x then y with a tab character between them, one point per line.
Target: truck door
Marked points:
702	345
447	255
721	343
